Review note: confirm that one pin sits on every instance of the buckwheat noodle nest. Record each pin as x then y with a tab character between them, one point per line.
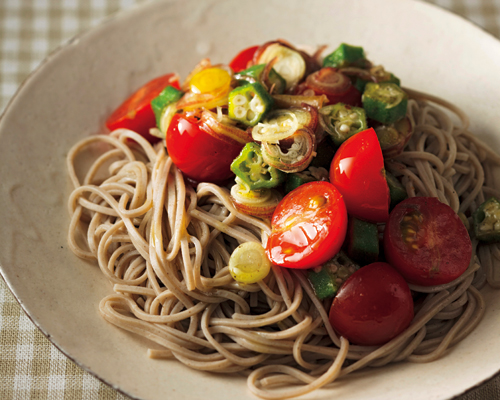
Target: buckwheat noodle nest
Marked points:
165	246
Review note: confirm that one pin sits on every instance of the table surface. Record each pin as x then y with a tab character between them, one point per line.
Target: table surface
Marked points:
30	366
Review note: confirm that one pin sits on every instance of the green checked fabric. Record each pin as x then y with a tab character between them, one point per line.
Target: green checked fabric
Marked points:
30	366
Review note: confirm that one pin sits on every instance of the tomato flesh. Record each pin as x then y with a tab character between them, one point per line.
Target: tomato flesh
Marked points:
373	306
426	242
241	61
308	226
357	171
198	152
136	113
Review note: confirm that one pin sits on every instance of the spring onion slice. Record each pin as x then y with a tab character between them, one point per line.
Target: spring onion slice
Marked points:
290	65
278	125
259	203
296	158
248	263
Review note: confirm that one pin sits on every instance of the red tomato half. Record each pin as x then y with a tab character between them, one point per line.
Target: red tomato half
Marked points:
198	152
308	226
135	113
426	242
357	171
242	59
373	306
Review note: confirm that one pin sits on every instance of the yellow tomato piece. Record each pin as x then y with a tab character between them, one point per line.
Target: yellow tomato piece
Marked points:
249	263
211	80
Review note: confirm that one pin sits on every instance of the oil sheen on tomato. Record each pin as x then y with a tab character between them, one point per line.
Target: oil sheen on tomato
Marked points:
308	226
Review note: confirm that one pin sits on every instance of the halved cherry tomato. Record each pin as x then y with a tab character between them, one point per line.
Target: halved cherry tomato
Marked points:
200	153
242	59
373	306
308	226
334	84
426	242
357	171
135	113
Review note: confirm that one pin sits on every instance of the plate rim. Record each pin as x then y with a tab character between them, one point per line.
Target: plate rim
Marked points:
101	25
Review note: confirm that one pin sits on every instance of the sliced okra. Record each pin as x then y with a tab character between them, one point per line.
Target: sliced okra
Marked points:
342	121
384	102
249	103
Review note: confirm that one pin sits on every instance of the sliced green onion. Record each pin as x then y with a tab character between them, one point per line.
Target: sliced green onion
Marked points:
249	263
278	125
296	157
259	203
290	65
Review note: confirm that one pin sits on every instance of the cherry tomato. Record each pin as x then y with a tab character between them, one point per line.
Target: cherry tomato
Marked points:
136	113
357	171
334	84
373	306
200	153
308	226
242	59
426	241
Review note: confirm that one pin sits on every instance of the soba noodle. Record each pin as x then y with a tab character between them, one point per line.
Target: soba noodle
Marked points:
165	248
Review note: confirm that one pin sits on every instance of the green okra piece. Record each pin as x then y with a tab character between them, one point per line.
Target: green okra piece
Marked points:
250	167
384	102
396	190
255	73
360	83
344	56
329	277
296	179
167	96
249	103
342	121
486	220
362	241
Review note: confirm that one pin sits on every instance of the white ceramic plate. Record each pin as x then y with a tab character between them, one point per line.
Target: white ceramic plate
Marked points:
72	92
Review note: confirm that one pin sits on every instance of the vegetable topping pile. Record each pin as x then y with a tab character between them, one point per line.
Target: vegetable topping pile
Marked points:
302	142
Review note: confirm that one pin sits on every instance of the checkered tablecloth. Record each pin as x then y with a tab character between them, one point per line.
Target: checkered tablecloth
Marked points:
30	366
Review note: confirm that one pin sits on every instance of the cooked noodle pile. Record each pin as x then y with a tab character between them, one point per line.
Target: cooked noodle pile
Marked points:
165	248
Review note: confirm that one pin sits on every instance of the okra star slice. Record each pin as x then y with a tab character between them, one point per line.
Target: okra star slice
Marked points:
384	102
342	121
249	103
487	221
250	167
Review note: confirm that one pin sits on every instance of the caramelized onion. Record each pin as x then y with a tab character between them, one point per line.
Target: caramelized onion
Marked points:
329	81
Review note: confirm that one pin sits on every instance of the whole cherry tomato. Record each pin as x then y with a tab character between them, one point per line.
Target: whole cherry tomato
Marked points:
242	59
426	241
334	84
308	226
357	171
200	153
136	113
373	306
